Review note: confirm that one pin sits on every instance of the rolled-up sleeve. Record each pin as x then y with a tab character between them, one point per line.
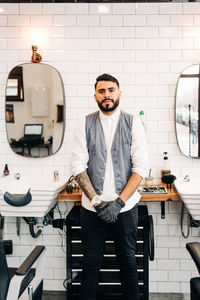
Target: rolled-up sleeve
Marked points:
79	154
139	151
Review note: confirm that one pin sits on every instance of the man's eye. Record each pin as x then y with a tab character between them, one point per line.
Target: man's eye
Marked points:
101	92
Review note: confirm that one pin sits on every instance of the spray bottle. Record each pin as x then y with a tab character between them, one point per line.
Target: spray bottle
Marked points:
5	171
141	115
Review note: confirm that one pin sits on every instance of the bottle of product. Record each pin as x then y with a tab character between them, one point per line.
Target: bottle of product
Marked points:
5	171
141	115
166	169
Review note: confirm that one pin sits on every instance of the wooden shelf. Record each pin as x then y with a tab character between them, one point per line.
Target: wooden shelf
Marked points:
75	196
172	195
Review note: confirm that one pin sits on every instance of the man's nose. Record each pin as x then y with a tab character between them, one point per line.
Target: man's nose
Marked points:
107	94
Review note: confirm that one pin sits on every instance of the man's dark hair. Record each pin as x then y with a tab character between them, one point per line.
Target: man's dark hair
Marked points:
106	77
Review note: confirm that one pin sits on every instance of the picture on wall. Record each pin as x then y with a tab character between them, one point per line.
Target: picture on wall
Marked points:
10	113
14	87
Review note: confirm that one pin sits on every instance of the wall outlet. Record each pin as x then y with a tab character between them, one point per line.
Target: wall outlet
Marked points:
8	246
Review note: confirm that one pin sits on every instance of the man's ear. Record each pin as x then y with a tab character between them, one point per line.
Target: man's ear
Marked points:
95	97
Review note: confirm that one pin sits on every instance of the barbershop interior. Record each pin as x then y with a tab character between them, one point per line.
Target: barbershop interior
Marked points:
52	54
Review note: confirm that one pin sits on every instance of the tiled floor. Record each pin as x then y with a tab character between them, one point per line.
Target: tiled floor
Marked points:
153	296
171	296
51	295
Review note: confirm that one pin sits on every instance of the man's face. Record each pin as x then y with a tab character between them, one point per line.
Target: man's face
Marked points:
107	96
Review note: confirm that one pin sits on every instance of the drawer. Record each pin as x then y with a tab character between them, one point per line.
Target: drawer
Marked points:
109	290
106	276
75	233
76	247
109	261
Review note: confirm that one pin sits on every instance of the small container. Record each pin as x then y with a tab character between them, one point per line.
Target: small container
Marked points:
56	175
166	169
5	171
149	179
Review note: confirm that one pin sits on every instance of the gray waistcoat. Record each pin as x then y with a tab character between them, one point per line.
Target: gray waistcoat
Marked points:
121	148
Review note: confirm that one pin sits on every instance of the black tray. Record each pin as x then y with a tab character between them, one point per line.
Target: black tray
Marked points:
152	190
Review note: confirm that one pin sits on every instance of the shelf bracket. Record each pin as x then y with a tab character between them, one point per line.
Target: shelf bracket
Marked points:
162	203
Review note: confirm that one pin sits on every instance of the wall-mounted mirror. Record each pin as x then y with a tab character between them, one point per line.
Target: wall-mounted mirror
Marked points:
34	110
187	111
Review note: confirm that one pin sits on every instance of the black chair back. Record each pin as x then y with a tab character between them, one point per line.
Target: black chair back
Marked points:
194	250
4	275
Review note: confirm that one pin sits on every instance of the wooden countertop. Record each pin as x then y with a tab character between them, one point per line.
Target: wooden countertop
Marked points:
172	195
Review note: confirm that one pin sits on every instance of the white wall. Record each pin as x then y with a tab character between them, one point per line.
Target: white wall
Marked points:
146	46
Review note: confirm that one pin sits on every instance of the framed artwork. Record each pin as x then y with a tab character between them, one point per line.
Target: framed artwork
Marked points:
14	88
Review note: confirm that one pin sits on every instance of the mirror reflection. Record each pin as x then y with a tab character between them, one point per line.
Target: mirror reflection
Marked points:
34	110
187	111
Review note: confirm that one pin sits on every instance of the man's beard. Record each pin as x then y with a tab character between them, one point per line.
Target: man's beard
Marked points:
107	108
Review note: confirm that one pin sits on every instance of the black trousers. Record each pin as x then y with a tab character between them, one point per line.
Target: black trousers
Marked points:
124	234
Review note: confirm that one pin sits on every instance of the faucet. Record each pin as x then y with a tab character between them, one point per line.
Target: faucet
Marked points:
56	175
186	178
17	176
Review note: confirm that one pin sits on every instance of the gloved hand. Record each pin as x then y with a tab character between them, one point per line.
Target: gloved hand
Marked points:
100	207
111	212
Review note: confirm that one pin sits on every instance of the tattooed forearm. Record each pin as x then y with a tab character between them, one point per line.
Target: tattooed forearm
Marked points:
85	184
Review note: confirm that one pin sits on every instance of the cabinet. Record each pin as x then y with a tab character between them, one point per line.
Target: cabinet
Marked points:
109	285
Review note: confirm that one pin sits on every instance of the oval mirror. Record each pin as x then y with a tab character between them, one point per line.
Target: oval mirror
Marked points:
187	111
34	110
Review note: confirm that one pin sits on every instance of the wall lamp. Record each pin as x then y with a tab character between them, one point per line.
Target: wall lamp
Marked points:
36	57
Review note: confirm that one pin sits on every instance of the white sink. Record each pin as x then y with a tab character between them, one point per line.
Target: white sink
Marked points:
190	195
44	193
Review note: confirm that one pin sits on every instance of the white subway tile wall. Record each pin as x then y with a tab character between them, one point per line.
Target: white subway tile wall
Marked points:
146	46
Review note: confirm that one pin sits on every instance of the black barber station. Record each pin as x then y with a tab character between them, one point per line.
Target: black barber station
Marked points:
109	285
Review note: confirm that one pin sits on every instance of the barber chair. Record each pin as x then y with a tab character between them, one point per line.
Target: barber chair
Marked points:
194	250
26	282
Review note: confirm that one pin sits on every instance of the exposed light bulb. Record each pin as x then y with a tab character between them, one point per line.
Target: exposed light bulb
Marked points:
103	8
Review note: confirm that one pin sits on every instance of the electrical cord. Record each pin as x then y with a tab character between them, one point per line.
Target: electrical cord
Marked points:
62	241
188	222
64	230
65	283
59	211
62	215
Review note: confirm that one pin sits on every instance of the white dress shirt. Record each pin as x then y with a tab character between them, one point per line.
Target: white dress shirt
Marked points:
139	156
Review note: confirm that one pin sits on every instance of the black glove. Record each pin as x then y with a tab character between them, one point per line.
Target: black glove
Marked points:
110	213
101	206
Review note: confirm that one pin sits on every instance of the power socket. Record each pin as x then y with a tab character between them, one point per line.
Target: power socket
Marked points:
194	223
58	223
8	246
